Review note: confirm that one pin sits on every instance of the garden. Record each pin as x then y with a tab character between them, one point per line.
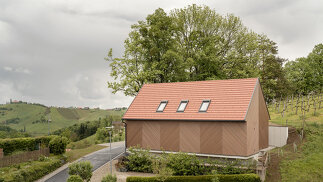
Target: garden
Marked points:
32	168
185	167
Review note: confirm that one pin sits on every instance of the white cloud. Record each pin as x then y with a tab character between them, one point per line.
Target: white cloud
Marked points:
7	68
17	70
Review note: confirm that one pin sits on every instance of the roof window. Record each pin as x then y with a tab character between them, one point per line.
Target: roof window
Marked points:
182	106
162	106
205	105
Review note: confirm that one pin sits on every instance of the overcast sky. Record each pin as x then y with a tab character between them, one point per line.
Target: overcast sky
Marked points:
52	52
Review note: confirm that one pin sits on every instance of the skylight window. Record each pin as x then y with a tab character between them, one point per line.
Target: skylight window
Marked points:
162	106
205	105
182	106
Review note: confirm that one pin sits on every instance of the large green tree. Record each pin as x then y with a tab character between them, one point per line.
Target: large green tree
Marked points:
194	43
305	74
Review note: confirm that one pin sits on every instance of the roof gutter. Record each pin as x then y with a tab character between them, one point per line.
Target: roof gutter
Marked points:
138	119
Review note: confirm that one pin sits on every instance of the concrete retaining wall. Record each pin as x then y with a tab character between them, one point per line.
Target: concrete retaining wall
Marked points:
278	135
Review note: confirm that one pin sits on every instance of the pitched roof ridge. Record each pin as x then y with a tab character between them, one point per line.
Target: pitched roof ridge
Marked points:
201	81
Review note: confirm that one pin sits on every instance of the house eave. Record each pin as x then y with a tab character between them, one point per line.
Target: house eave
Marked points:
154	119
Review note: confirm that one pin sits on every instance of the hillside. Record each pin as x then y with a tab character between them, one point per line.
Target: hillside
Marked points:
33	117
302	155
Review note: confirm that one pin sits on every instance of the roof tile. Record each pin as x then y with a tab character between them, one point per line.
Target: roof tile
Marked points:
229	100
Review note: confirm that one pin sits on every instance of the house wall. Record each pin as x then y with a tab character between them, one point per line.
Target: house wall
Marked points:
263	122
224	138
252	119
257	123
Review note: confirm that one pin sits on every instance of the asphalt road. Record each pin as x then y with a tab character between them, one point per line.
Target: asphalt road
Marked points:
97	159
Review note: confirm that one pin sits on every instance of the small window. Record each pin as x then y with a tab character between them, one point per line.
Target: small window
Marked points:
182	106
205	105
162	106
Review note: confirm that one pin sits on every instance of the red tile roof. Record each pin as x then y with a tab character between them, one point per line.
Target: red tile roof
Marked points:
229	100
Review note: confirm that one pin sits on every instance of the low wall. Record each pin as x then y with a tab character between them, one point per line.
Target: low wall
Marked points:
278	135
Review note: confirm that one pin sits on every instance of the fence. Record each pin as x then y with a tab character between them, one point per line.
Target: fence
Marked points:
23	157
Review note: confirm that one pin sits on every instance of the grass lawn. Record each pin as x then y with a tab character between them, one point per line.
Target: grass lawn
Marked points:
306	163
78	153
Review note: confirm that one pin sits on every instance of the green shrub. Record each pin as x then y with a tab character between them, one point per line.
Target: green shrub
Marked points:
74	178
159	166
57	145
139	160
109	178
185	165
83	169
207	178
32	171
23	144
102	134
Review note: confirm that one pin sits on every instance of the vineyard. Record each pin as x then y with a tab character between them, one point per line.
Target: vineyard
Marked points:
296	110
303	154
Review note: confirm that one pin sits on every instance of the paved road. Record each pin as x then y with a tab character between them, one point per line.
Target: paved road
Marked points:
97	159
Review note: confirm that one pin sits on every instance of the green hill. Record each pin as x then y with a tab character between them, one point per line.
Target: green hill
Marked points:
33	118
302	158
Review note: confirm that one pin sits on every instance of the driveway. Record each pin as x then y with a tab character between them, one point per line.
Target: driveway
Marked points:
97	159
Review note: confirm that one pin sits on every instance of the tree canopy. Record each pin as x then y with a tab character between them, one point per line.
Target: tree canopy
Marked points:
305	74
195	43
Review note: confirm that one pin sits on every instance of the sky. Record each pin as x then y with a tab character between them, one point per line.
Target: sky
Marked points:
52	51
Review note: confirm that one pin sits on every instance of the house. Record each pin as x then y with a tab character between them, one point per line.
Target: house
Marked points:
215	117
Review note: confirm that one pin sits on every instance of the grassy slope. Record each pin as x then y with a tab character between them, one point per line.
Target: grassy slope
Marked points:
78	153
306	164
61	117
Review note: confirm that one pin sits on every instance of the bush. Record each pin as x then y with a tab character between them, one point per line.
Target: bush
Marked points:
139	160
74	178
102	134
32	171
184	165
57	145
160	168
109	178
83	169
23	144
207	178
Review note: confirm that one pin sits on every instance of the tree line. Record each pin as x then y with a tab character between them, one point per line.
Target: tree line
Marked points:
196	43
80	131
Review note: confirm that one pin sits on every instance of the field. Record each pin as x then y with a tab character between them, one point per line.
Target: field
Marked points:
302	158
33	118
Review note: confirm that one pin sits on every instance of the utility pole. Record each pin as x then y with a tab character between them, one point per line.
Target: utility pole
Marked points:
110	134
48	121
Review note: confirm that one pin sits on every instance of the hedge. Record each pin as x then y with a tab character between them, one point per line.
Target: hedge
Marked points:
23	144
206	178
32	172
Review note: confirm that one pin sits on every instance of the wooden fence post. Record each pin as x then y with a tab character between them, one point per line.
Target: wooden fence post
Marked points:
320	97
292	102
1	153
279	103
297	102
287	102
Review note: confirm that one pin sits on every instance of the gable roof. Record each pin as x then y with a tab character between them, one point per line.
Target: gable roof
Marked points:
229	100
